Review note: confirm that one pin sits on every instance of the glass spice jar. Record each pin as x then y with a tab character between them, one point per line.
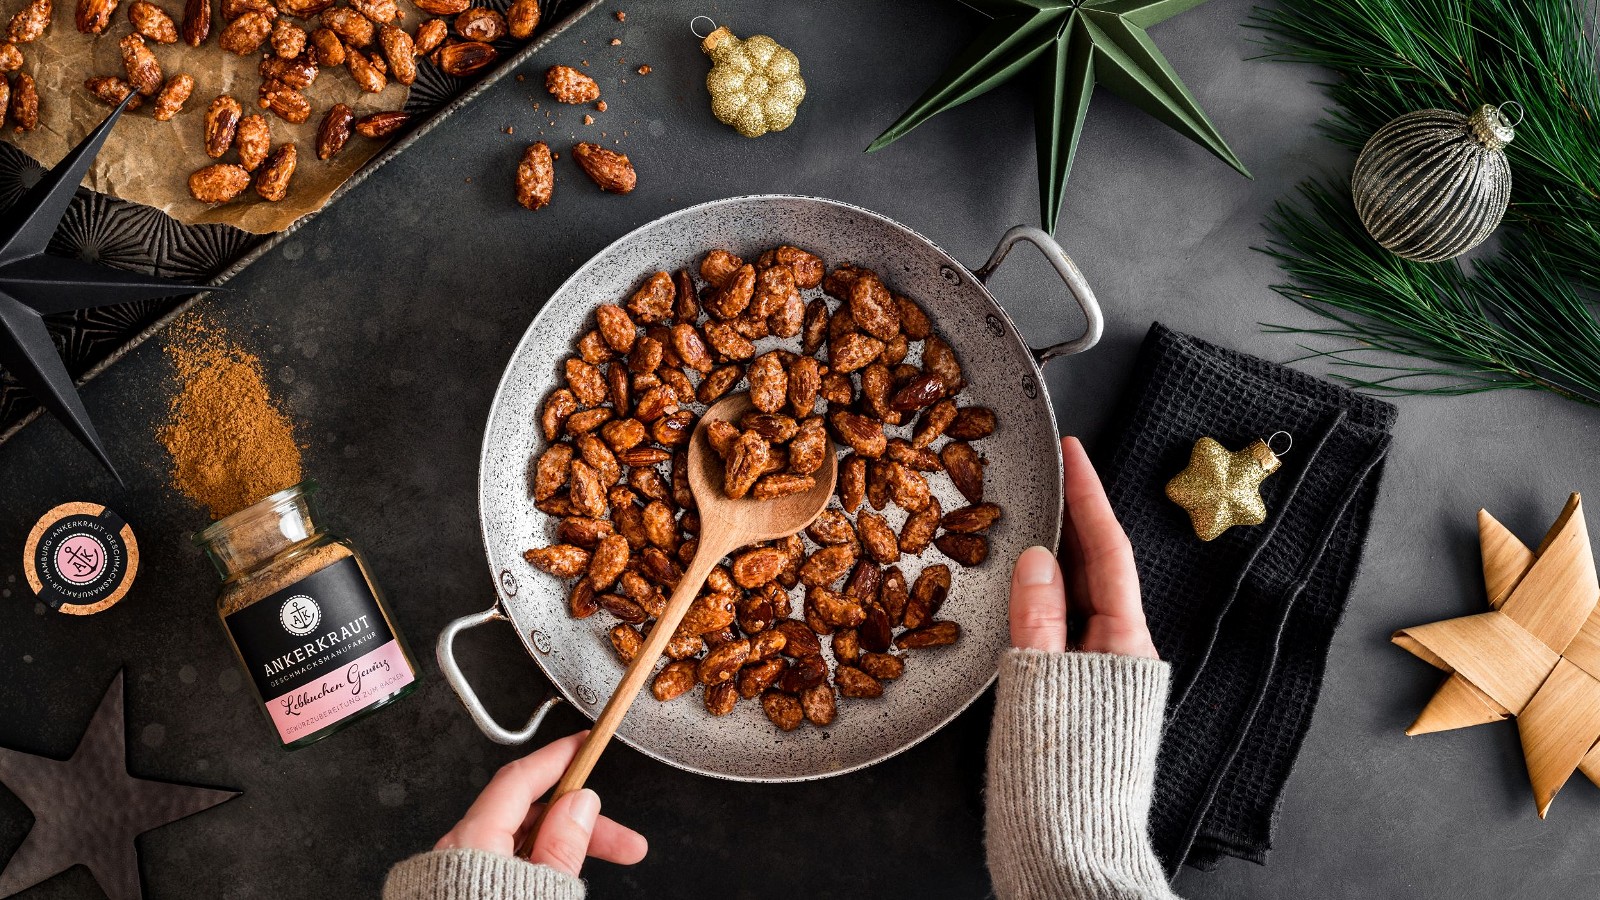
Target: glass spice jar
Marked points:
305	617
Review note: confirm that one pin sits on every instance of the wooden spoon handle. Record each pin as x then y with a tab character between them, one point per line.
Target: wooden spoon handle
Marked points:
644	662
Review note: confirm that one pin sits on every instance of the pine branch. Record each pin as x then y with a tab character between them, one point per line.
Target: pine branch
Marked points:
1514	323
1521	319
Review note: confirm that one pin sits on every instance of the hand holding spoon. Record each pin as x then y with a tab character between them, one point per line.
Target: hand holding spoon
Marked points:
725	526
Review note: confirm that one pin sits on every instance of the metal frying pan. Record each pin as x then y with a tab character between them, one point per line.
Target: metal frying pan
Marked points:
1023	476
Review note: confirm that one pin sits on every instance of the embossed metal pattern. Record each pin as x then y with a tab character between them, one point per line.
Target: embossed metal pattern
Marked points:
1024	476
140	238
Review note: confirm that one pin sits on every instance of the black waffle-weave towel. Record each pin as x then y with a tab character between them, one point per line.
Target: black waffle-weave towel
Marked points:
1245	620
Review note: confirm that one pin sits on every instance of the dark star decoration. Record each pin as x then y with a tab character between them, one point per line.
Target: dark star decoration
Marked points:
34	285
88	809
1077	44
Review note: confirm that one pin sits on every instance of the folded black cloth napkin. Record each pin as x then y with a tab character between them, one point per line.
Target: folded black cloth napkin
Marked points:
1245	620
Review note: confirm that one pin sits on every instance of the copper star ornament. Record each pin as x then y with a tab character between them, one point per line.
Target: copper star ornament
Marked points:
1221	488
88	809
1535	655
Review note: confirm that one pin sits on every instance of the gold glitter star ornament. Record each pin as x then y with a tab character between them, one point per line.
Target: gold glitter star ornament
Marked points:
1221	488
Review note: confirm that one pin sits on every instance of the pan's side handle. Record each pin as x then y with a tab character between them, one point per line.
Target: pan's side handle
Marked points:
469	698
1076	285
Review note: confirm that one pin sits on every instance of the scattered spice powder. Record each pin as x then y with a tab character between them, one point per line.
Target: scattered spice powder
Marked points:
230	442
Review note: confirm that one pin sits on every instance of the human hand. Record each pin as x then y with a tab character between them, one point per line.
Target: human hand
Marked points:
1104	588
501	816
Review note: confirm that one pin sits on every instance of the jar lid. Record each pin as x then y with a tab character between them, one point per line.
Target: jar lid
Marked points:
80	558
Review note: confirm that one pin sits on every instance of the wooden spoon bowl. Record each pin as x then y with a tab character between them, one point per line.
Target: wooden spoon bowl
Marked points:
726	525
739	523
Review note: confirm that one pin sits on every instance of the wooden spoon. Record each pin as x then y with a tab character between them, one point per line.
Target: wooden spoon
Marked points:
725	526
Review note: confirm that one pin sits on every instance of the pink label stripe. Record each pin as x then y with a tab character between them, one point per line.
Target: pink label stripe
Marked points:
341	693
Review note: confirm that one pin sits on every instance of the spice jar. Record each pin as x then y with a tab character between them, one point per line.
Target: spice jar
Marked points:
305	617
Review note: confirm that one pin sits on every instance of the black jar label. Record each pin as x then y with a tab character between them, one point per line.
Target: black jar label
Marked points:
320	650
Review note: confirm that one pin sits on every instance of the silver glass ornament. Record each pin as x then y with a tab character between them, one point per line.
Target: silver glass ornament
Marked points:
1431	185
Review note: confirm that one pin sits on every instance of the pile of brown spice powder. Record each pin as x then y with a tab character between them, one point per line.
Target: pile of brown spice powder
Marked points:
230	443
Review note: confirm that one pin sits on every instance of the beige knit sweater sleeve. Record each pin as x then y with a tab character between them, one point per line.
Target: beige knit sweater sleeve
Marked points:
1072	762
477	875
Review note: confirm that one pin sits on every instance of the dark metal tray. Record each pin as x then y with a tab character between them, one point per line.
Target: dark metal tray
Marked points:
143	239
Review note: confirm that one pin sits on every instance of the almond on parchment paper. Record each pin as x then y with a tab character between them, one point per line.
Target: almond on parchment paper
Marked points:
272	182
334	131
196	22
254	140
172	97
144	73
218	183
30	22
381	124
110	90
153	22
221	121
25	103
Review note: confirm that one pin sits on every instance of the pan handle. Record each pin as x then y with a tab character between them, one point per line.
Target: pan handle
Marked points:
1076	285
469	698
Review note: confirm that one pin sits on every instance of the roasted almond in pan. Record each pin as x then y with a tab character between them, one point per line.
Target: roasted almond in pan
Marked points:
634	390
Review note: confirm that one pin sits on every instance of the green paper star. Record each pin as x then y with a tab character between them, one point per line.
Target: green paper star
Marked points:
1078	43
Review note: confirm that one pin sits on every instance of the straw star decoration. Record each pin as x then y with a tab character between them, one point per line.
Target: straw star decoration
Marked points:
1077	44
1535	655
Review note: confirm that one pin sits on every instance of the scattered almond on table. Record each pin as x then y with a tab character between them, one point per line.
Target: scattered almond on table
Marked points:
536	177
568	85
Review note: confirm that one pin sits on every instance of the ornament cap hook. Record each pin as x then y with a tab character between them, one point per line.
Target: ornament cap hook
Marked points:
1521	113
1288	443
696	31
1491	127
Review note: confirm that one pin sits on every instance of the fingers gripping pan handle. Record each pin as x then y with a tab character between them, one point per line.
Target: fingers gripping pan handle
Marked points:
469	698
1076	285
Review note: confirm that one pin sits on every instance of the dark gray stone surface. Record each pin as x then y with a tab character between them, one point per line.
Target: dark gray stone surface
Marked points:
384	325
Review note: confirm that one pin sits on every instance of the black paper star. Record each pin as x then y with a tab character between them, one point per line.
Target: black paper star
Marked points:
1078	44
34	285
88	809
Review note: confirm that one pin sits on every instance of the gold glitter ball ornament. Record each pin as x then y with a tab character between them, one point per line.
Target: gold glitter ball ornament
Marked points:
1431	185
755	83
1221	488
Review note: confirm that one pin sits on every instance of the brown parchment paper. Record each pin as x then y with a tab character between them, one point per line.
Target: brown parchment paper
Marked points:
149	162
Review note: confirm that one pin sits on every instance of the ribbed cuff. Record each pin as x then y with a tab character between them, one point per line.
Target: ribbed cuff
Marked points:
477	875
1072	761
